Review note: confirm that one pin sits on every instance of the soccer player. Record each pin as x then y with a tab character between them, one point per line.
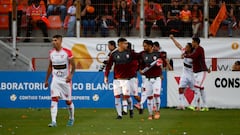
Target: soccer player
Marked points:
121	58
200	70
187	77
152	81
62	67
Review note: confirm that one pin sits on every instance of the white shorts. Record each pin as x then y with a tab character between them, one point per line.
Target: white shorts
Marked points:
134	86
153	86
199	79
61	89
186	80
121	87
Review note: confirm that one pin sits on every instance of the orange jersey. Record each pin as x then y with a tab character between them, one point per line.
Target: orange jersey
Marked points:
36	12
155	11
55	2
185	15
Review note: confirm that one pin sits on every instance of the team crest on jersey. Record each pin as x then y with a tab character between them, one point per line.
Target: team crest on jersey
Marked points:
127	56
154	57
118	57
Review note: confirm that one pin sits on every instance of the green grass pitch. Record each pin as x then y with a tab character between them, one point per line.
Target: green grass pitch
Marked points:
103	122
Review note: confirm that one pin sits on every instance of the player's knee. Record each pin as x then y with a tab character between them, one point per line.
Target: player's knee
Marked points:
68	102
117	96
55	99
150	97
126	96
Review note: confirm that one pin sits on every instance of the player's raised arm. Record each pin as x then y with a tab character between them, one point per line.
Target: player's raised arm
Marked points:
177	44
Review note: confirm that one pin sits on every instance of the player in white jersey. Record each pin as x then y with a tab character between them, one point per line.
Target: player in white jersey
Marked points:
187	77
62	67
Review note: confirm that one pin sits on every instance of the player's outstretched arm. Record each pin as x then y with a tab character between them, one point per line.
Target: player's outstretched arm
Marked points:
176	43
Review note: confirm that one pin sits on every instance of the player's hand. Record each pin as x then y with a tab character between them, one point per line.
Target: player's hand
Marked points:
69	78
46	84
105	79
171	36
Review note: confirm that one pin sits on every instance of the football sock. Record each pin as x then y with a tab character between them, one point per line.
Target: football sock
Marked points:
125	105
150	106
157	103
71	111
181	99
203	95
118	106
54	110
130	103
196	97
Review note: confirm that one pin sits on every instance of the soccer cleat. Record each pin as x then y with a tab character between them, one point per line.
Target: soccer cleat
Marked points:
150	117
131	113
119	117
137	106
157	115
70	123
53	124
204	109
191	108
124	113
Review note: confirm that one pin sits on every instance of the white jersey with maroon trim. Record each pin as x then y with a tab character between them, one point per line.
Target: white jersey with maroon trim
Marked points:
60	63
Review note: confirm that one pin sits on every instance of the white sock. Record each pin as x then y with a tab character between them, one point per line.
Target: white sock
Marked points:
203	95
118	106
196	98
150	106
130	103
157	103
125	105
54	110
71	111
181	99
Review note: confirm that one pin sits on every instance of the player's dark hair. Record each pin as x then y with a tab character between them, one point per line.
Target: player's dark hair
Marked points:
113	43
156	43
149	42
196	39
57	36
129	46
190	45
121	40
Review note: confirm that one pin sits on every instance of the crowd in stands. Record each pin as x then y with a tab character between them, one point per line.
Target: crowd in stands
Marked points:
177	17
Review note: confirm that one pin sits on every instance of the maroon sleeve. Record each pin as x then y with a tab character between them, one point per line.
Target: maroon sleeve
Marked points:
108	66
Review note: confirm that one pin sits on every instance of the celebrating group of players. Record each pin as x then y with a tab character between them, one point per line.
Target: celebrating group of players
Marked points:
149	63
127	63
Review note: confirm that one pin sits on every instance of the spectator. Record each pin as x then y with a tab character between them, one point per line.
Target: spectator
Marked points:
35	13
230	20
236	66
213	11
57	6
123	18
197	18
196	2
237	12
173	22
104	26
154	16
89	18
186	19
19	17
72	20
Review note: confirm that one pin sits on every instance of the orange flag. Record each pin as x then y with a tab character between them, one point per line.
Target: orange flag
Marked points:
222	15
